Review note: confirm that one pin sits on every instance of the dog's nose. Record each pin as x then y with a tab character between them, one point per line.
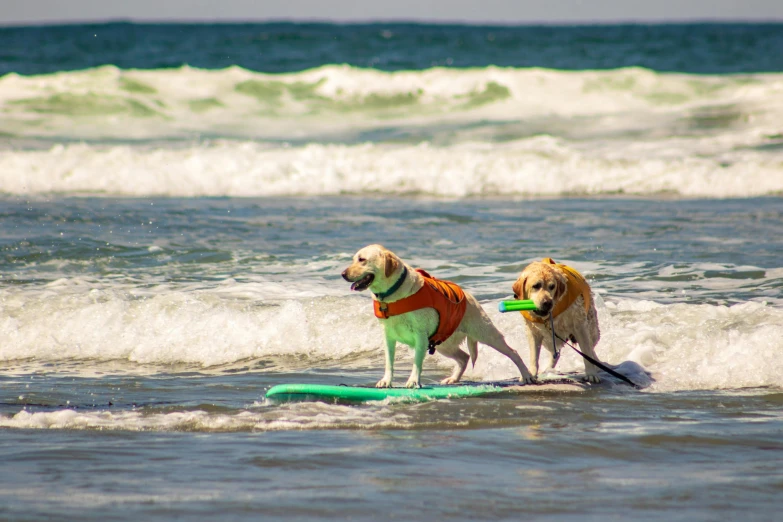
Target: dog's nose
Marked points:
546	306
345	274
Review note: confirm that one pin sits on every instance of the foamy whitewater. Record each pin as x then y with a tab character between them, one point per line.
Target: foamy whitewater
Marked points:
209	285
177	203
84	323
438	132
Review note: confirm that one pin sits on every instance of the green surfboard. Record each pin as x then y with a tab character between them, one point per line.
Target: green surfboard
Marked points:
330	393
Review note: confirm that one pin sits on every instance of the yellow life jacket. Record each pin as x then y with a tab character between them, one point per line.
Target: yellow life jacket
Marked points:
576	286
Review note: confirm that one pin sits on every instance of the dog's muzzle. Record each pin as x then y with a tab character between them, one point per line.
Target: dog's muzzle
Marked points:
545	309
361	284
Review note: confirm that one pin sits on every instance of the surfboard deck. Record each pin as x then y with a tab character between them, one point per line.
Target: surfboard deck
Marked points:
359	394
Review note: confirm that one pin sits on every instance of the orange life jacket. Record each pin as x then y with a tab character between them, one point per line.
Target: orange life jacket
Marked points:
445	297
577	285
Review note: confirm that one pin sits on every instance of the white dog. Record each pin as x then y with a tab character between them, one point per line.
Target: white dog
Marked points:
561	292
424	312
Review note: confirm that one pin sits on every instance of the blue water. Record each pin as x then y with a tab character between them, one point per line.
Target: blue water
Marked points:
287	47
172	239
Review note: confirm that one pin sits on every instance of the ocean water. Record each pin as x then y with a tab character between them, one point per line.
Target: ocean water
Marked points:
178	201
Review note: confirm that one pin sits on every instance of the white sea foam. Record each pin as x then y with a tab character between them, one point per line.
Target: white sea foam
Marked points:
441	132
65	322
110	102
683	346
300	416
540	166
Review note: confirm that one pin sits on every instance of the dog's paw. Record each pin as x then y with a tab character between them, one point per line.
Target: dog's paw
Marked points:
527	379
412	383
449	380
593	378
383	383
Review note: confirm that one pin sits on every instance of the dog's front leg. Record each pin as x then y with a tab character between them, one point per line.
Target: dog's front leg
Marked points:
534	340
552	349
388	375
420	350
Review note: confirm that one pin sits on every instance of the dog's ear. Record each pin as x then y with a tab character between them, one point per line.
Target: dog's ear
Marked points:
519	288
562	285
520	285
391	263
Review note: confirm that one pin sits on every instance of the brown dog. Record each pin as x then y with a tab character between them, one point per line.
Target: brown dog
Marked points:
561	292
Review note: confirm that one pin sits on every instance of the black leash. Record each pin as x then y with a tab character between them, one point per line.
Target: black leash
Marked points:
587	357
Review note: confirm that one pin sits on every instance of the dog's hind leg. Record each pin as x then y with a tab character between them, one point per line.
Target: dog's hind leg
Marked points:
461	358
587	342
478	327
498	342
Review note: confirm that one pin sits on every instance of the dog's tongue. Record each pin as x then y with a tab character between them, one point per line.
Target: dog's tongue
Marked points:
353	286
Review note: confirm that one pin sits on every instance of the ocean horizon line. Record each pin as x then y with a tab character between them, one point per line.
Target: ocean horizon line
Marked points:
395	22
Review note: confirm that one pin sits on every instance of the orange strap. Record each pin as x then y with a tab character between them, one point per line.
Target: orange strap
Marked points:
577	285
445	297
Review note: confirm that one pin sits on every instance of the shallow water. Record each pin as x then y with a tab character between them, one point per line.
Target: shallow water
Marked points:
141	334
699	455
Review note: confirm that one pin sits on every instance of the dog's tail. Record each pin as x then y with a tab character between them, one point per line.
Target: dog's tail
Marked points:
473	350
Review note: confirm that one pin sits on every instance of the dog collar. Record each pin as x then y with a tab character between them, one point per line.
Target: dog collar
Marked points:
396	286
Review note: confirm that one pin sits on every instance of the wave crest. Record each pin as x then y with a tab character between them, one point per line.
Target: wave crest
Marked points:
536	167
107	102
684	346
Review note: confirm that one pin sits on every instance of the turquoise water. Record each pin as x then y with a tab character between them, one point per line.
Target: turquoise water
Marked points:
285	47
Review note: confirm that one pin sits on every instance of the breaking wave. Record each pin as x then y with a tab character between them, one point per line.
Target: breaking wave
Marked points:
107	102
440	132
684	346
542	166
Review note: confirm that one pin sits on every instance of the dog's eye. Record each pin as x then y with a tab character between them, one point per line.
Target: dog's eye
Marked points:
537	286
362	260
552	286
